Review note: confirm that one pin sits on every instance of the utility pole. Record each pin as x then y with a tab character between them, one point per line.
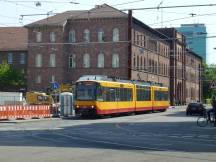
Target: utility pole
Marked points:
160	7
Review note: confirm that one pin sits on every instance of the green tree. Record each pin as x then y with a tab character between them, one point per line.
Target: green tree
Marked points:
11	79
209	75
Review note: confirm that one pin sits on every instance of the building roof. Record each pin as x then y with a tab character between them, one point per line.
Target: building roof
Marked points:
56	20
13	38
189	51
154	31
100	11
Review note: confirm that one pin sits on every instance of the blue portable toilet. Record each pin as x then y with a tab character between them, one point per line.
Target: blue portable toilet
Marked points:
66	104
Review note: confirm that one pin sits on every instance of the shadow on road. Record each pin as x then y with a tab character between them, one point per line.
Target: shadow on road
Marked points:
174	136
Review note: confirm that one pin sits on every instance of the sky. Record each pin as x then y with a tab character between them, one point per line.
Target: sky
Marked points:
11	11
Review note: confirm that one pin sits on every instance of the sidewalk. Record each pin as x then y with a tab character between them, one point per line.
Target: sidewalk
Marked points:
28	120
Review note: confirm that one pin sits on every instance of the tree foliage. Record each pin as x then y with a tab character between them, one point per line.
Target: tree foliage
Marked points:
209	76
11	79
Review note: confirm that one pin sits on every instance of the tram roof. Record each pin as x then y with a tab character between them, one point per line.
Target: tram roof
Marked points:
101	78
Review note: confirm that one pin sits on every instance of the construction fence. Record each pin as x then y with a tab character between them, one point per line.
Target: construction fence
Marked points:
24	112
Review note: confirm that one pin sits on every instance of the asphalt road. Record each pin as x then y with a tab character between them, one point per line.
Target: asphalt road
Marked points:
168	136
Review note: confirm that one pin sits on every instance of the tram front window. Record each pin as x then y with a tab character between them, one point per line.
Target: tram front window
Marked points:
85	91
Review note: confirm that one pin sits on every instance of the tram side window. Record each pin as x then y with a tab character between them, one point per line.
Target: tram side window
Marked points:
161	95
100	93
116	94
147	94
129	94
164	95
110	94
143	94
157	96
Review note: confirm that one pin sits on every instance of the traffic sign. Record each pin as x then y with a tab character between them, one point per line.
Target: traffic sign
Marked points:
213	84
54	85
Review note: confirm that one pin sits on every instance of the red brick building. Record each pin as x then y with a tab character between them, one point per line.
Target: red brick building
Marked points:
193	77
102	41
13	48
185	85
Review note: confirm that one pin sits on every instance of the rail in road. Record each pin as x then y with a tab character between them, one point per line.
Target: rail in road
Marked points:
170	134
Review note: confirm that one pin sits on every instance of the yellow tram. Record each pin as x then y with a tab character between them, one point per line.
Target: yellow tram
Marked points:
110	96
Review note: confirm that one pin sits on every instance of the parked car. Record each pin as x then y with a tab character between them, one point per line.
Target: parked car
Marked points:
195	108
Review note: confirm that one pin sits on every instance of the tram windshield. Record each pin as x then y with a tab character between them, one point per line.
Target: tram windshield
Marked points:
85	91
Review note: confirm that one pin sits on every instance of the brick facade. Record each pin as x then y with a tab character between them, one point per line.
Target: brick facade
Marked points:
193	77
179	84
63	49
13	49
144	53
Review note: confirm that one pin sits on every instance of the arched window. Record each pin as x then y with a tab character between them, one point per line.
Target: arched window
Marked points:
72	36
100	63
38	37
115	60
86	61
86	35
38	60
100	35
38	79
52	61
52	37
72	61
115	35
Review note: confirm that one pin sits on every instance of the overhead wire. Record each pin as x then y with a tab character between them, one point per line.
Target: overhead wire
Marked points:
169	7
26	6
128	2
188	17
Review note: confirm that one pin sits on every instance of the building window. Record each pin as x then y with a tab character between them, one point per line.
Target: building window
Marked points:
156	67
149	65
134	61
101	60
100	35
141	62
52	78
137	67
115	35
72	61
86	35
22	58
115	60
86	61
38	37
52	37
72	36
144	63
38	60
52	61
10	58
38	79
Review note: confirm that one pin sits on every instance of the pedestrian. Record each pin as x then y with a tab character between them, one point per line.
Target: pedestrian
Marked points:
213	109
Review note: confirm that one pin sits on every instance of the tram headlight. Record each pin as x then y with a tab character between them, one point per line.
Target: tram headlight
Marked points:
77	106
92	106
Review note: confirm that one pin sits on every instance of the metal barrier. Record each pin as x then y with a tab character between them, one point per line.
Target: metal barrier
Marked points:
24	112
